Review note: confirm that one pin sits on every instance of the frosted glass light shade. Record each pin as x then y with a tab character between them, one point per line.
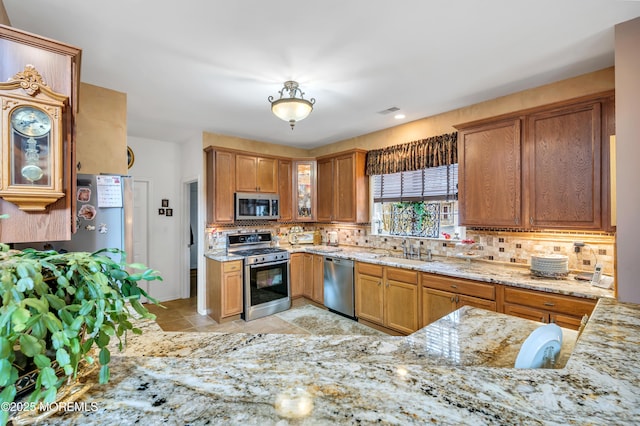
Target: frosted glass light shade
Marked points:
291	109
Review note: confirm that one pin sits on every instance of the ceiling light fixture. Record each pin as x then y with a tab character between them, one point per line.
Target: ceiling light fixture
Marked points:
399	116
291	109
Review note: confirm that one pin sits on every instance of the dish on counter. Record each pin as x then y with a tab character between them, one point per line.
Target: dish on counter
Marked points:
541	348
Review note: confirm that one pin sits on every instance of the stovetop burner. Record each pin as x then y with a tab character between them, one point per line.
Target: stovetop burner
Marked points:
258	251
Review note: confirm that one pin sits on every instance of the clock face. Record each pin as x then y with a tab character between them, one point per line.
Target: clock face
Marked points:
31	121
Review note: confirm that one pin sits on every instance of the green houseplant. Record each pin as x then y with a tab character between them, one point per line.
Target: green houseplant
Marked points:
61	309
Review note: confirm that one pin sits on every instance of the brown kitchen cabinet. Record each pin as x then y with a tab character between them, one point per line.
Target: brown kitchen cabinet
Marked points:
565	167
442	295
304	190
343	188
220	186
546	167
313	288
224	289
489	174
387	296
566	311
256	174
285	181
296	274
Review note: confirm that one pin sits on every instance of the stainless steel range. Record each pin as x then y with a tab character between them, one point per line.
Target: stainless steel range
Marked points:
266	274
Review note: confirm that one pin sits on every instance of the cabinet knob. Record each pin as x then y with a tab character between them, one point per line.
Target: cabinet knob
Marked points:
379	283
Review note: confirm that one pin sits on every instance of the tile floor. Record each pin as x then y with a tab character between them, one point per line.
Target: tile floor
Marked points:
182	315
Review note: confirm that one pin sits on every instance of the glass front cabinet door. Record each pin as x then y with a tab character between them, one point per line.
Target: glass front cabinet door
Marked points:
32	131
304	176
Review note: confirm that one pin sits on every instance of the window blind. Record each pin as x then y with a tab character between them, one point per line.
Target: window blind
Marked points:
433	183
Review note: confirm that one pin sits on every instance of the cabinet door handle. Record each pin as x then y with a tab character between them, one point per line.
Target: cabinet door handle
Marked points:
531	220
379	283
453	299
454	286
549	304
387	284
542	320
457	299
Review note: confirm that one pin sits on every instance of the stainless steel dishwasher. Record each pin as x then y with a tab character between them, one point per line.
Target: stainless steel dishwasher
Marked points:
338	286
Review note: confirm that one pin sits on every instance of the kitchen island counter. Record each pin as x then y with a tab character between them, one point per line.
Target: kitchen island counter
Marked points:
217	378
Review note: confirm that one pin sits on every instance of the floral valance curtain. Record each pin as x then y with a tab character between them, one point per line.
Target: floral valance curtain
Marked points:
435	151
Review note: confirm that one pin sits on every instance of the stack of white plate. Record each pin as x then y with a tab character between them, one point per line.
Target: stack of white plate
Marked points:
550	265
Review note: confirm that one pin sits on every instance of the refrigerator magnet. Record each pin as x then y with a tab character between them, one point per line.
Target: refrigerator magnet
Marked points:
169	212
161	211
84	195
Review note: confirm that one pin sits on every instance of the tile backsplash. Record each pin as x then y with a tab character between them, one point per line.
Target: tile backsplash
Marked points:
497	246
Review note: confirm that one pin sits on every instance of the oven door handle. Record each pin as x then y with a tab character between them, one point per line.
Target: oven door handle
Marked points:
261	265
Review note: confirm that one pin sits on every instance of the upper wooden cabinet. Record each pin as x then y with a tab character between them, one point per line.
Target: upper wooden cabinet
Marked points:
343	188
256	174
304	203
489	173
285	182
564	151
542	168
220	186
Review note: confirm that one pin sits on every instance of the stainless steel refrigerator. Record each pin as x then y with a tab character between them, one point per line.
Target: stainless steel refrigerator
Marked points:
103	216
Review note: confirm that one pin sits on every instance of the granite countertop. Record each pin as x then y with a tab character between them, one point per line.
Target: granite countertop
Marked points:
478	270
454	371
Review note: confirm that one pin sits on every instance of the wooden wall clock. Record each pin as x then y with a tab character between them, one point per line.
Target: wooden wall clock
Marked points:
32	137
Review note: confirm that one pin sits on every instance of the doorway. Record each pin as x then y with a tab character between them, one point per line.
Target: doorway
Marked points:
193	239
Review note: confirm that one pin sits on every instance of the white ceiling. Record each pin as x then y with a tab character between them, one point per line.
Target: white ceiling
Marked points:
207	65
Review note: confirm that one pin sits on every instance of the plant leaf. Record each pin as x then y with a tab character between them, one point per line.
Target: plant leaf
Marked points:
54	301
29	345
6	348
38	304
104	374
48	377
5	372
105	356
62	357
42	361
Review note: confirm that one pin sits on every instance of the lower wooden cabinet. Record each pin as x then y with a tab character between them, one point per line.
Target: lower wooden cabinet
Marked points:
224	289
387	296
313	277
566	311
296	274
443	295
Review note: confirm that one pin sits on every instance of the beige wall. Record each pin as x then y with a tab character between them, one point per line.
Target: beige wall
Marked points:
627	155
232	142
586	84
101	131
4	18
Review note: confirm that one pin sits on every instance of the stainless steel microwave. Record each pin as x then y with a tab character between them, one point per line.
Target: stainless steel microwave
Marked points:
255	206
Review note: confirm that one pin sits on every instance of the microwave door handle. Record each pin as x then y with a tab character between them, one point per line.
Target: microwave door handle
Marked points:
260	265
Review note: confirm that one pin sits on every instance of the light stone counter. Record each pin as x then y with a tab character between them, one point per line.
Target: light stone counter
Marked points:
454	371
477	270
